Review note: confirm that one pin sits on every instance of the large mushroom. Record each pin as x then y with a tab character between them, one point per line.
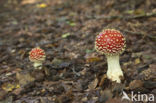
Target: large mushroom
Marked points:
111	42
37	56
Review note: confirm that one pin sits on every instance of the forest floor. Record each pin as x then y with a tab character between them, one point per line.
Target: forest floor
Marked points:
74	72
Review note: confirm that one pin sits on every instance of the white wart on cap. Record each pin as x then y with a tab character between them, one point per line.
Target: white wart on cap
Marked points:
110	42
37	55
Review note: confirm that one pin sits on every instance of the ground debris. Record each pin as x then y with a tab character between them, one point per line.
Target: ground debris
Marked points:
73	71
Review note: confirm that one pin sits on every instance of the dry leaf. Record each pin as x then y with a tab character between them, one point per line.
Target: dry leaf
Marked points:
150	73
3	94
137	61
92	59
83	72
103	79
93	84
135	84
105	95
84	99
42	5
10	86
28	2
115	100
24	78
17	91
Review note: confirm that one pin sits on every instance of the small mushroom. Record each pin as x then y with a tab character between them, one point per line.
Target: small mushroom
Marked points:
111	43
37	56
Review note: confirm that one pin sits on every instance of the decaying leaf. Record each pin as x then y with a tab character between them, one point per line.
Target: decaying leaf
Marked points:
116	100
92	58
71	23
137	61
3	94
17	91
83	72
10	86
136	12
103	80
8	100
24	78
150	73
57	61
135	84
28	2
105	95
93	84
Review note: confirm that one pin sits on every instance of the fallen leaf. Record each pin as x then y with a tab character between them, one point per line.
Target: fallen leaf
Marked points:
10	86
149	84
24	78
136	12
17	91
44	100
116	100
66	35
139	12
84	99
138	54
92	59
135	84
102	80
83	72
42	5
137	61
105	95
129	11
127	63
150	73
3	94
57	62
28	2
89	51
71	23
7	100
93	84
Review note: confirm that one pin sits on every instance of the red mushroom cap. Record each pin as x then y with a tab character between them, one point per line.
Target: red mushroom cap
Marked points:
37	55
110	42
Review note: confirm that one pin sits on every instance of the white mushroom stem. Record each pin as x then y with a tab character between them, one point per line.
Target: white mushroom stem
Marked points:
37	65
114	71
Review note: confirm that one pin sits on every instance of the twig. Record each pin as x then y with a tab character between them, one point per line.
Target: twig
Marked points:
126	17
109	17
142	16
141	33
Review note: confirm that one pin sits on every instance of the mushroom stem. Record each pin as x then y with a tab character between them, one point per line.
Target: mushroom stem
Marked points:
114	71
37	65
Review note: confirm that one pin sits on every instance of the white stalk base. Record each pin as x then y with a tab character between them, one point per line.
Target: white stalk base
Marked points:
37	65
114	71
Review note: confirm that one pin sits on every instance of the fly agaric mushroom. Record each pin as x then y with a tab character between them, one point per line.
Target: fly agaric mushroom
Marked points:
37	56
111	43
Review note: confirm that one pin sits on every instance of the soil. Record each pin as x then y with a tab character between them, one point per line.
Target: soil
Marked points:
74	72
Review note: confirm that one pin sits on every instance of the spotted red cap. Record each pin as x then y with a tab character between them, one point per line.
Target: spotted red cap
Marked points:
37	55
110	42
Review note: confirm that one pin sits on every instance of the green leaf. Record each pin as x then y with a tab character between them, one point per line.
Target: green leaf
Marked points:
66	35
71	23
